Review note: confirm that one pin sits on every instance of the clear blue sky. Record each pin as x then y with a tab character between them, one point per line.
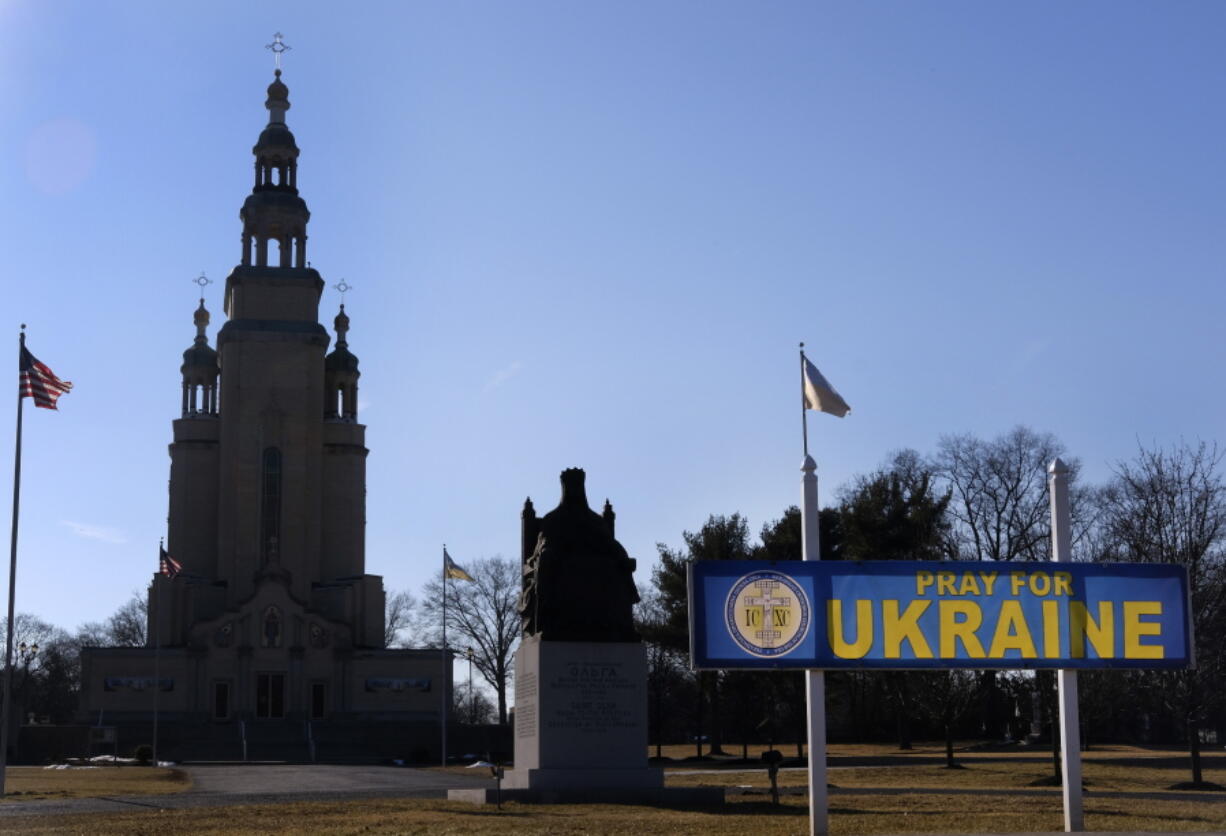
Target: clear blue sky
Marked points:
593	233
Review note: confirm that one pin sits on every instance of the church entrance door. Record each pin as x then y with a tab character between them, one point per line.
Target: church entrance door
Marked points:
270	696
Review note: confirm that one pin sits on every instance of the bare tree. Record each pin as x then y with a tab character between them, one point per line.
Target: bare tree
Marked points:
1000	508
1169	506
45	668
482	614
945	696
398	616
128	626
92	634
1000	505
29	631
472	706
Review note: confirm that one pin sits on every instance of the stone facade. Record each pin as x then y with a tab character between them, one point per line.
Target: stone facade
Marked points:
272	617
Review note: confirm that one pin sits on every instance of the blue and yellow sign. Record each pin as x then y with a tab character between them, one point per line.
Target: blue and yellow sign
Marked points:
899	614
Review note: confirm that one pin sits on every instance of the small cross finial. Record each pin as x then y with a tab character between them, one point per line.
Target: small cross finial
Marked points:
278	47
204	281
344	288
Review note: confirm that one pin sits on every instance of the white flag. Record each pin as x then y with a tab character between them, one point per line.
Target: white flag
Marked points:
820	395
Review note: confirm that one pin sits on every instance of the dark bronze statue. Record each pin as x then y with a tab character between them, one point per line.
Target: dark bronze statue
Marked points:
578	580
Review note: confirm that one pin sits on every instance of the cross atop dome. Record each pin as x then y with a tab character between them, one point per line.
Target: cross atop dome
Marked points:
203	281
278	47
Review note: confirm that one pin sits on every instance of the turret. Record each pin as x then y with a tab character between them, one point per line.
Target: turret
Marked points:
200	371
341	376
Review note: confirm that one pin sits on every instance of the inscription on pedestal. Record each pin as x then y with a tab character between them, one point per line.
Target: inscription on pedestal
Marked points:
525	687
591	699
525	720
586	724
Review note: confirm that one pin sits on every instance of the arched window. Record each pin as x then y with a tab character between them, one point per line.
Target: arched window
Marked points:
270	516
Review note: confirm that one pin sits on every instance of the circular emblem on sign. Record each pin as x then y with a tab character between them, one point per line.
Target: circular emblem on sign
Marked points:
767	614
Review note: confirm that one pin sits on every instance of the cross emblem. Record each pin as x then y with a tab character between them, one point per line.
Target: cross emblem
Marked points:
344	288
204	281
278	47
769	601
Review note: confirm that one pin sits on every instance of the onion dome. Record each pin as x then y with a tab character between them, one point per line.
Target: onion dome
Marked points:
341	359
276	144
201	355
278	99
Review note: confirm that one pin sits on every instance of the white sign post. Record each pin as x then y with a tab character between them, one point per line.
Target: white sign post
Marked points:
1070	732
815	681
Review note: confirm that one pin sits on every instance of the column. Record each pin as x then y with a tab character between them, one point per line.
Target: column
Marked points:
1070	732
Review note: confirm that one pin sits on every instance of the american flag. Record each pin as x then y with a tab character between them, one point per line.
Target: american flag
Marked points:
168	565
39	382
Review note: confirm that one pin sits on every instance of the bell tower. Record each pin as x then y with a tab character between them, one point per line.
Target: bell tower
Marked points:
275	216
272	383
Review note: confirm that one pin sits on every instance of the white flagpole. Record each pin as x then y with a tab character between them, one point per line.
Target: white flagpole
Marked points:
1066	678
443	667
815	680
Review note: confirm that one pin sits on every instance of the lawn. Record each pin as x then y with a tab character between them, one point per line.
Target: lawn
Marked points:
30	783
849	815
910	795
1100	773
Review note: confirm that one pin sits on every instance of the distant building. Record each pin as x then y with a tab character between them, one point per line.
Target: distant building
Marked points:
273	619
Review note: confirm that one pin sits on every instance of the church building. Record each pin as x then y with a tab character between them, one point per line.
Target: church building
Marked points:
267	615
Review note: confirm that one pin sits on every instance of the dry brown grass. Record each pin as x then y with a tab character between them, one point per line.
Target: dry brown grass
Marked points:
896	809
849	815
930	749
1002	775
28	784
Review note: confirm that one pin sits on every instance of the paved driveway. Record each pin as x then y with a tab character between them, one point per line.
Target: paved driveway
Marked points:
221	785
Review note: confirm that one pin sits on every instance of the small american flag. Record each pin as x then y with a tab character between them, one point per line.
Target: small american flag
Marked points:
39	382
169	566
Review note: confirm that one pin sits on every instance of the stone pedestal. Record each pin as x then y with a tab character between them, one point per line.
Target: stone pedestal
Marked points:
581	729
581	716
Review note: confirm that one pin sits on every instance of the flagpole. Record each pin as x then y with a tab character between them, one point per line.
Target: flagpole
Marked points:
8	643
443	668
157	648
804	414
815	680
